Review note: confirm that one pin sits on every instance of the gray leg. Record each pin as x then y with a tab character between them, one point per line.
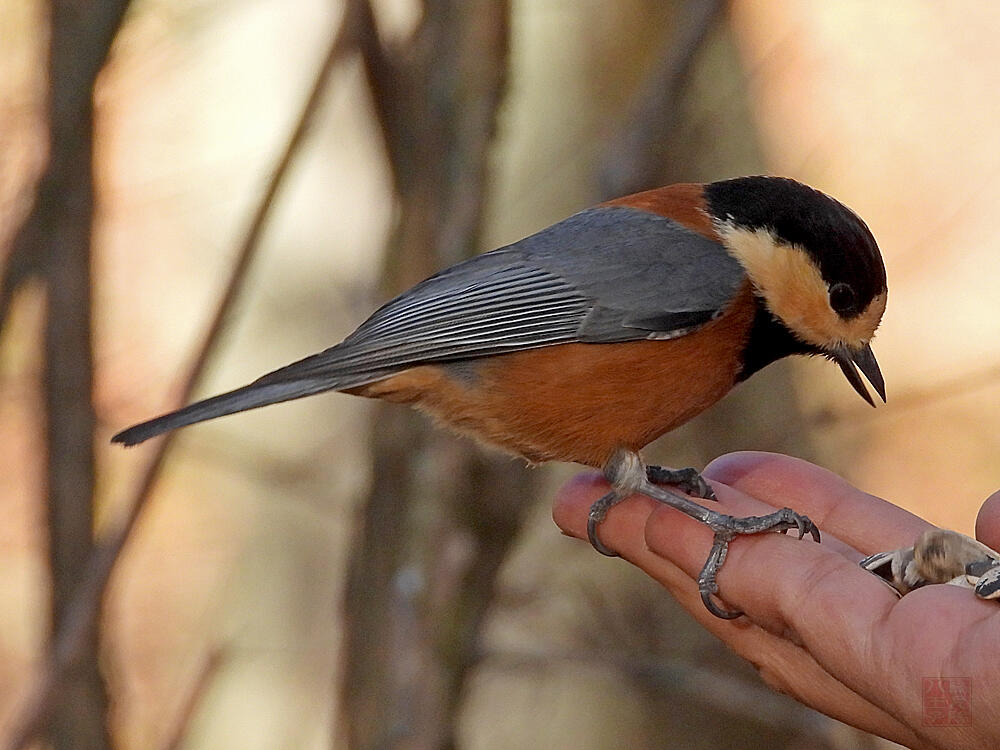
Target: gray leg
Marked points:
627	475
688	481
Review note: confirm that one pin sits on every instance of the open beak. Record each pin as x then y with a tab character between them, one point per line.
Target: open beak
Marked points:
852	360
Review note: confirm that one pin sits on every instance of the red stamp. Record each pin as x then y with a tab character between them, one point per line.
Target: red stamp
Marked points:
947	701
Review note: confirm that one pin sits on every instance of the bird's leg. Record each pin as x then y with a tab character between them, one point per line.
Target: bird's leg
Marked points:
688	481
627	475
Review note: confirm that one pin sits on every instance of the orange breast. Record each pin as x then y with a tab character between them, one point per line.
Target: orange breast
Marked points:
581	402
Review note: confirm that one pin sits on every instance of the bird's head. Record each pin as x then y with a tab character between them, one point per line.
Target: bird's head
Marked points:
812	261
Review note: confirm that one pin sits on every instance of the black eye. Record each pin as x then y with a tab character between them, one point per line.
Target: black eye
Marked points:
842	298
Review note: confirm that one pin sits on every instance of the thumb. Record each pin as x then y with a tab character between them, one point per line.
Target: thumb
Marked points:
988	522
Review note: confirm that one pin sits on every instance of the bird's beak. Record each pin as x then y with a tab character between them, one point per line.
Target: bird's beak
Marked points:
851	360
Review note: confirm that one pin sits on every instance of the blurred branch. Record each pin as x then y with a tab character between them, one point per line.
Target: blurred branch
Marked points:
23	264
81	35
181	725
721	694
54	242
383	77
440	517
638	152
915	398
81	612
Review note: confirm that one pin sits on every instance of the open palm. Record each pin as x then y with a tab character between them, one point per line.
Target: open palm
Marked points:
817	626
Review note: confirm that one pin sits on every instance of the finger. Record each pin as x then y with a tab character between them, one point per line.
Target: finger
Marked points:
736	503
621	530
988	522
847	620
791	670
673	547
863	521
808	593
575	498
573	501
783	665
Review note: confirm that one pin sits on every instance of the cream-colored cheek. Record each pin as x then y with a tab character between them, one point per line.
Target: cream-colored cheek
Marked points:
794	290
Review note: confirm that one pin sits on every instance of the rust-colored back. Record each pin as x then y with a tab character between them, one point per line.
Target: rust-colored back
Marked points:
684	203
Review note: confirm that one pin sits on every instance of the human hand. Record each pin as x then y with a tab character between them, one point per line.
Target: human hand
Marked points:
817	626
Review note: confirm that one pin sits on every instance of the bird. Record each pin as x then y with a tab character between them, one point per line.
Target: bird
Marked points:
589	339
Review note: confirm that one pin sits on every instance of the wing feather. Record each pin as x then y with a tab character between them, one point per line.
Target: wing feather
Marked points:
607	274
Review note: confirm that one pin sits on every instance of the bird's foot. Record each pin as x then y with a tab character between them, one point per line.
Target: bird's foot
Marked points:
628	475
598	512
726	528
688	481
623	474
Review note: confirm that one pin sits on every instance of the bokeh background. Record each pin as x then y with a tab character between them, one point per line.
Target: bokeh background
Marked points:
334	573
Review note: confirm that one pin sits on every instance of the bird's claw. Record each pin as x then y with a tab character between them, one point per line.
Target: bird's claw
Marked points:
595	541
984	576
689	481
707	585
803	524
781	521
627	474
598	512
726	528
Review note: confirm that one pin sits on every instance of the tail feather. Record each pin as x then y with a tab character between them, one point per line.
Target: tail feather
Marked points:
248	397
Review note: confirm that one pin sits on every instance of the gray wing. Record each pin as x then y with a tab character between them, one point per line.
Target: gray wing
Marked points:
604	275
607	274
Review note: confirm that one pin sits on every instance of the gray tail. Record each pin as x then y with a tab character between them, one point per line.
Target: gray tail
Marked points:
248	397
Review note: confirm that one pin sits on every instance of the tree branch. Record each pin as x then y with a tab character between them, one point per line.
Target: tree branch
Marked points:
81	35
54	242
178	730
439	127
83	610
637	153
384	78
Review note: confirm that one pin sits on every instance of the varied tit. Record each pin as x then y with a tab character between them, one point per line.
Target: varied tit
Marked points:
593	337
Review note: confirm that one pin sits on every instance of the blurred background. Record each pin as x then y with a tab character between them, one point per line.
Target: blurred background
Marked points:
336	573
